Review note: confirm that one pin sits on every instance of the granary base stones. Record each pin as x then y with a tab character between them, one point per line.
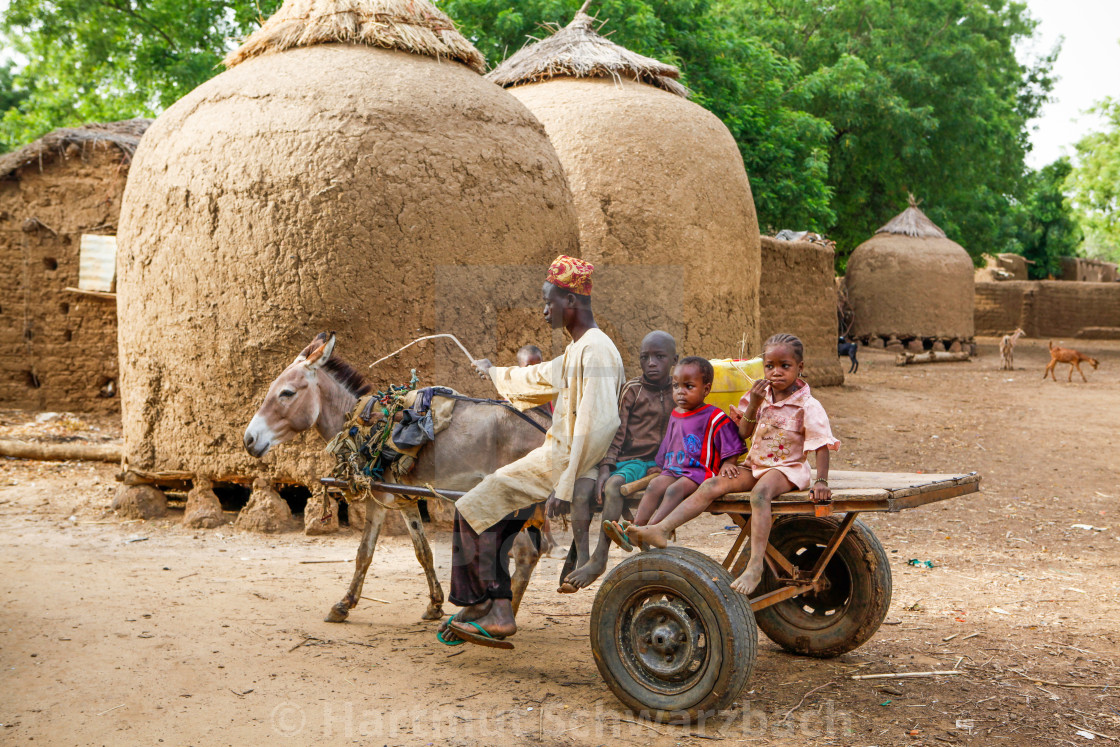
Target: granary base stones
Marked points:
313	515
140	502
204	510
266	512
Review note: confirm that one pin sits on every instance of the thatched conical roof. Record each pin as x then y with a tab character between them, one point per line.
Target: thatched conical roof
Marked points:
579	51
913	222
414	26
124	135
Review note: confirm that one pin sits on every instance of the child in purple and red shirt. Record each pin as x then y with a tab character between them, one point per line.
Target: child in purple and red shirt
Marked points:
699	440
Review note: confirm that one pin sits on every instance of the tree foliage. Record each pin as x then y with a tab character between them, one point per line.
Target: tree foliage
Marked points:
924	96
737	76
1095	184
98	60
1043	227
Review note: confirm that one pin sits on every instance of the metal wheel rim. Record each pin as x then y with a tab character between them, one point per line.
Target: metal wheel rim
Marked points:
662	640
816	610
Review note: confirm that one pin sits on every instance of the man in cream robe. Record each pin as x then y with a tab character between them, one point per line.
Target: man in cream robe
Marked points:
585	382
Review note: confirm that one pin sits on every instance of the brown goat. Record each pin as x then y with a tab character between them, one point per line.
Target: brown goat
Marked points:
1070	356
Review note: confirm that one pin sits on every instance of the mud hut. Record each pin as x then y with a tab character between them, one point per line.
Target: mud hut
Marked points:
797	294
911	283
349	160
655	178
58	346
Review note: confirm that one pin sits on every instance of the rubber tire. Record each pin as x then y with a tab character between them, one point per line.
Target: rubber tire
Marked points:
726	616
868	600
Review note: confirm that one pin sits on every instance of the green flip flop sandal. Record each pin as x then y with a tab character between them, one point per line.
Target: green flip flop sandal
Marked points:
482	638
617	535
445	642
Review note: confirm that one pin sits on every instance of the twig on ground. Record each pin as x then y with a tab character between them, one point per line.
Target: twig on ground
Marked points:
1063	684
309	562
642	723
375	599
815	689
899	675
122	705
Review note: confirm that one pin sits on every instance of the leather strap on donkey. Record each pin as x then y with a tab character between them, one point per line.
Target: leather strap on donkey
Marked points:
441	391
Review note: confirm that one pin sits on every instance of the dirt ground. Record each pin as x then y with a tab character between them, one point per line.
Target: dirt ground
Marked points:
125	633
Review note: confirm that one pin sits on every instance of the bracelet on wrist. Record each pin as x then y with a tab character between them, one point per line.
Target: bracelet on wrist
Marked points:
821	481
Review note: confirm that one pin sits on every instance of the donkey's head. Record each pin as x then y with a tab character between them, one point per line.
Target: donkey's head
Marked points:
316	389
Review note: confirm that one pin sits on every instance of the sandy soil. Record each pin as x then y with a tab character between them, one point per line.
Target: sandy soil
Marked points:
126	633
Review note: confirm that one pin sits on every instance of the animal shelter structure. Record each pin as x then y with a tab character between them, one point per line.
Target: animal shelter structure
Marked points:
656	178
58	317
349	158
797	294
910	282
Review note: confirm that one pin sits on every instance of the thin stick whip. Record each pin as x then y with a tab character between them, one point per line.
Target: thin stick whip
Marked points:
455	339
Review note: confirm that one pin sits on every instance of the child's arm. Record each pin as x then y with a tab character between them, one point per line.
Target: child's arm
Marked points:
820	492
750	417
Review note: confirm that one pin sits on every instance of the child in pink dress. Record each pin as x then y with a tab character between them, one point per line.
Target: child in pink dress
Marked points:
786	423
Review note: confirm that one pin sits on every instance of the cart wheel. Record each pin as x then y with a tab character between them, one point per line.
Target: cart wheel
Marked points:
671	637
853	603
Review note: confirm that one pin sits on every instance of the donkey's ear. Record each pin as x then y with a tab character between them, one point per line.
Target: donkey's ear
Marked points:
320	354
318	341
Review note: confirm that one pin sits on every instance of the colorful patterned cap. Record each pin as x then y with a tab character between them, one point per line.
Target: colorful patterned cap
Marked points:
571	273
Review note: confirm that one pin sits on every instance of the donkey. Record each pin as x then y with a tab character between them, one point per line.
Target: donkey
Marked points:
319	390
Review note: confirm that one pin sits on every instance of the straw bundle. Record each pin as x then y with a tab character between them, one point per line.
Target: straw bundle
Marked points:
578	51
913	222
409	25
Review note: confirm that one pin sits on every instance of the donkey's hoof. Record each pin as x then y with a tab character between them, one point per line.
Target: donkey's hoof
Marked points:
433	613
338	613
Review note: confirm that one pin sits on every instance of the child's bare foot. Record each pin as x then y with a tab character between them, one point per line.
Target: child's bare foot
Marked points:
585	575
650	535
746	583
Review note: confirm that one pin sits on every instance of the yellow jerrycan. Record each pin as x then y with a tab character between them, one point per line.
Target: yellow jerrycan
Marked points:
733	379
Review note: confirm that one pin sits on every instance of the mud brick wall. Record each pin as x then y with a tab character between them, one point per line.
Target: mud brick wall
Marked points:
797	294
1047	308
58	350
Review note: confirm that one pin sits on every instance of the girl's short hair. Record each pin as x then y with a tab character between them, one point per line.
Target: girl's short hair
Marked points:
707	373
794	343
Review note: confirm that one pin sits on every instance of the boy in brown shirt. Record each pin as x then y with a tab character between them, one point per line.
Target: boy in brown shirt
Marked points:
643	407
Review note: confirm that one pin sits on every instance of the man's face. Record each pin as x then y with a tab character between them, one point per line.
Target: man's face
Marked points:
657	361
555	305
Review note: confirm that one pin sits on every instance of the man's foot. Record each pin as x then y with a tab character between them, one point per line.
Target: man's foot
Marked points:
648	535
584	576
746	583
467	614
498	621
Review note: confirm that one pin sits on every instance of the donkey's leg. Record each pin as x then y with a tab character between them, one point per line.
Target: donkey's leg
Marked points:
375	517
412	518
525	554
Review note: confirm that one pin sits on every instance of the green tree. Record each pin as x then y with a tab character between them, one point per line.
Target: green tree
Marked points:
1043	225
114	59
924	96
739	77
1095	184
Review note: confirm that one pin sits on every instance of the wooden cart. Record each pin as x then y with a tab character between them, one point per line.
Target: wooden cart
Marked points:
671	637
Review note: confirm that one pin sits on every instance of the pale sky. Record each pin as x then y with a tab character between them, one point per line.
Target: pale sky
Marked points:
1088	69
